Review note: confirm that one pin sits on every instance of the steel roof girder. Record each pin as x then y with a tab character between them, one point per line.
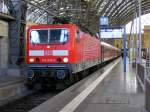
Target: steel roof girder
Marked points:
130	4
125	14
105	7
10	7
115	9
113	5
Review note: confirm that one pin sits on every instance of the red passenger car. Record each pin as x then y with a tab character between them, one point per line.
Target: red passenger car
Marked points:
57	53
109	52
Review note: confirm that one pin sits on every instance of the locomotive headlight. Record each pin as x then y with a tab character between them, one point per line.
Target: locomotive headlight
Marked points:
65	60
31	60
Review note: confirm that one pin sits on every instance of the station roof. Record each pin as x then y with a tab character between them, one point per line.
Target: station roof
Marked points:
86	12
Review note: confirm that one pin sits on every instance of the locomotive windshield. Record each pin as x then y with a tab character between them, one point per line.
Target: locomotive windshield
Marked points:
49	36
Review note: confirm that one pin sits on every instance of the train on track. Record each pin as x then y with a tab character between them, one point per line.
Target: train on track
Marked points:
61	54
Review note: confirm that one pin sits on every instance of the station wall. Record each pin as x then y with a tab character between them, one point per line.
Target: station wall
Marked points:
3	44
146	38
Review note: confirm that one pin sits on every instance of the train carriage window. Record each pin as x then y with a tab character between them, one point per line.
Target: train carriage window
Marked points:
39	36
58	35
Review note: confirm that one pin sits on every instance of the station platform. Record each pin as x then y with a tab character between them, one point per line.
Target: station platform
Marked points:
12	85
112	91
10	76
119	92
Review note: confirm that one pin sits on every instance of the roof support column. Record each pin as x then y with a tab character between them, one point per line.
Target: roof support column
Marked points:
139	46
17	33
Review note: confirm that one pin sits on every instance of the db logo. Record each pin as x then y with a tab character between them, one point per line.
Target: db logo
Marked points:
47	52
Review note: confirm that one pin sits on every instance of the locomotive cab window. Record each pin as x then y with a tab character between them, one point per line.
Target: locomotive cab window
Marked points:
49	36
39	36
58	35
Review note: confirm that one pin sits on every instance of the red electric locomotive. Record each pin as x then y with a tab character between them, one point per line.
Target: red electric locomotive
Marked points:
58	53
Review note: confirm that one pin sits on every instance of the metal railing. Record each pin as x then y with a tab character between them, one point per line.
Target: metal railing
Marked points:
147	94
143	74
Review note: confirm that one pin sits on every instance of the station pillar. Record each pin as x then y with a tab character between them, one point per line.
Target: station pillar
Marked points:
17	33
124	49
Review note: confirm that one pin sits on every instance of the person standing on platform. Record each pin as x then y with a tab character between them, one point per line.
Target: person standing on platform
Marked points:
122	55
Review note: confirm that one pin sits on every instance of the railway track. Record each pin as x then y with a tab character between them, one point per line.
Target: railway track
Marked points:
29	102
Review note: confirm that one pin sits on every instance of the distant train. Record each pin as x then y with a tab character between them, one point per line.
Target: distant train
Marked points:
63	53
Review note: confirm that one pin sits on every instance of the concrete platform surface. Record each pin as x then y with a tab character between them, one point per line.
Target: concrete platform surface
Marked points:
115	92
119	92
